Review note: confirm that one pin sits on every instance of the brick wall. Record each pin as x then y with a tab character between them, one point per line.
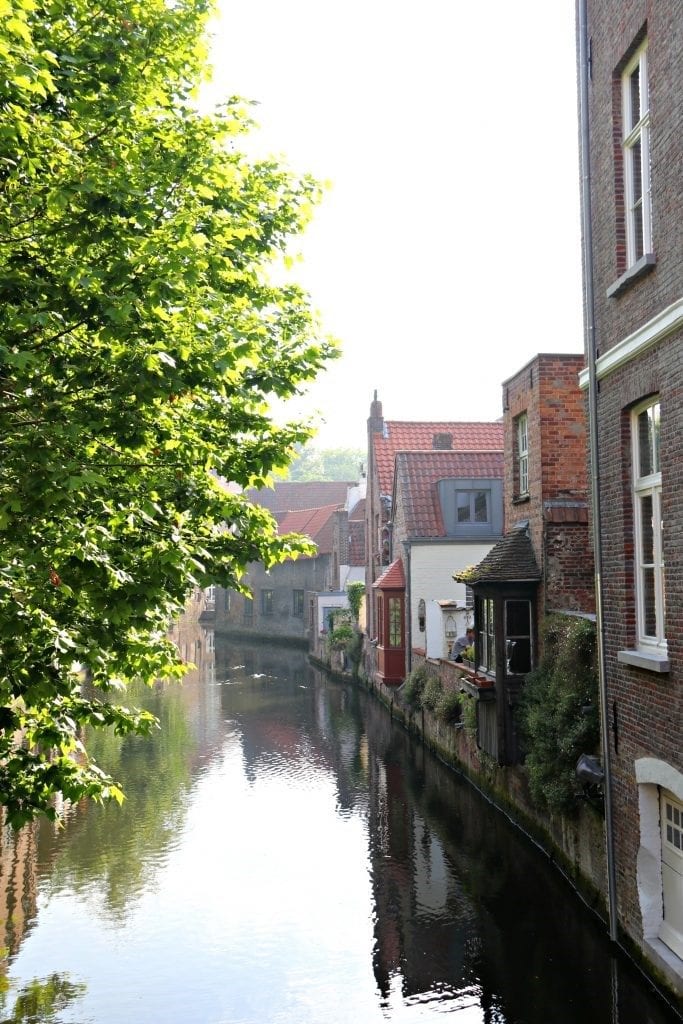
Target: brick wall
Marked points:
547	390
615	26
648	705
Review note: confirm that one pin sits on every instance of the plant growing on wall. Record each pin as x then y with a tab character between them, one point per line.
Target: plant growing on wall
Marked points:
558	711
355	592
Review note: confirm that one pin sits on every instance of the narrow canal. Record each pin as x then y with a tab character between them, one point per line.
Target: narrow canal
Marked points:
286	855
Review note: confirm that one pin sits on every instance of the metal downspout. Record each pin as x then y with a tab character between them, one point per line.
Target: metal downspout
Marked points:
590	344
409	612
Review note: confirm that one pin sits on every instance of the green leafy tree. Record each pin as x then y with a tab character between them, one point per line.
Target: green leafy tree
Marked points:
327	464
141	338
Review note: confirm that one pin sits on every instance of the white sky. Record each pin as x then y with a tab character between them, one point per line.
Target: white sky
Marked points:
447	252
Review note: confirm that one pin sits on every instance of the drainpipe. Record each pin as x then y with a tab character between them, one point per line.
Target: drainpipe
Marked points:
590	344
409	612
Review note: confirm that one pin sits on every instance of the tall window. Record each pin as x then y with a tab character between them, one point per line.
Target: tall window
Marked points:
636	150
248	609
647	500
522	454
486	634
395	634
298	603
517	637
266	602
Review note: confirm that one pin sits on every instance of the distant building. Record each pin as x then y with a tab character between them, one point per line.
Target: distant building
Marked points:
280	602
385	439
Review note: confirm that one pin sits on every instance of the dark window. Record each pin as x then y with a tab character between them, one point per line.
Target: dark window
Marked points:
248	609
266	602
517	637
421	615
298	603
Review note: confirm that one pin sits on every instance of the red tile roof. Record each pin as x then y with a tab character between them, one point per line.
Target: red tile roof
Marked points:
358	510
399	435
293	495
316	523
392	578
417	477
356	542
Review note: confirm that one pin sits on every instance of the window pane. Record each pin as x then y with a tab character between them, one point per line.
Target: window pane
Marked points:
462	502
648	440
649	608
634	92
637	172
647	550
518	618
518	656
481	506
394	622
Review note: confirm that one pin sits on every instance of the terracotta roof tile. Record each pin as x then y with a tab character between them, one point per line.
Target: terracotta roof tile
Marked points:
316	523
392	578
417	478
399	435
356	542
292	495
358	510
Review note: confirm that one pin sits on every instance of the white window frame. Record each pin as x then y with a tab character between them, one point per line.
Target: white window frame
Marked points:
648	485
472	493
637	209
522	454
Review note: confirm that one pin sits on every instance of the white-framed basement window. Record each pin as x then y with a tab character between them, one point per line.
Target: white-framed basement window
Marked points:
636	151
647	504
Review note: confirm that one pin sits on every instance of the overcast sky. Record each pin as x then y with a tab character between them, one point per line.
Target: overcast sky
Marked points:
447	251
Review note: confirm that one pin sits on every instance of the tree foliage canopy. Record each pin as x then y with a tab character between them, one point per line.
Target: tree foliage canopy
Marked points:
327	464
141	335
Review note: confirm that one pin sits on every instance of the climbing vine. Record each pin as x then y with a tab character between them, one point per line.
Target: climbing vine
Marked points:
558	712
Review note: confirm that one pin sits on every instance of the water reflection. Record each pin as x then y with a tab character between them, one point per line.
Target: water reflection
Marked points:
286	854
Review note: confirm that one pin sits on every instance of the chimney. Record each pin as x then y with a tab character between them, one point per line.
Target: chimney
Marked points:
442	442
376	420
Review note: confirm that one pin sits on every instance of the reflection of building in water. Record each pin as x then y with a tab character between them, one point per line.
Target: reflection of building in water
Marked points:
18	889
423	919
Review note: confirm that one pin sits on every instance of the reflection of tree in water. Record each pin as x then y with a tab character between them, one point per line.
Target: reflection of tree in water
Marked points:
120	847
39	1002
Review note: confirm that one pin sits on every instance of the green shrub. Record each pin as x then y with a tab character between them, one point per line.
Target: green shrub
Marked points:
411	691
468	710
558	711
431	693
448	707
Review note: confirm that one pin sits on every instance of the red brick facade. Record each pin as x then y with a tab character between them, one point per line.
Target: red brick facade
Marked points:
639	339
556	503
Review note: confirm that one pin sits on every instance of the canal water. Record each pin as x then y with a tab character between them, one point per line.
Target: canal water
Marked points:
287	855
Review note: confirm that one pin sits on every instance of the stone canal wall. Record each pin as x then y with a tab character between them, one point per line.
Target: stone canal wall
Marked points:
575	845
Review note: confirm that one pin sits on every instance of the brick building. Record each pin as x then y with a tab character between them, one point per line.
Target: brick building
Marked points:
544	563
632	156
385	439
281	597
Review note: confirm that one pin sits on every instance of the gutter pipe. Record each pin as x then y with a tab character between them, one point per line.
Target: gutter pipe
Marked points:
584	73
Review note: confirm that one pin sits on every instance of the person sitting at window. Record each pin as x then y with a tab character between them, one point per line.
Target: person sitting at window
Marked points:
461	643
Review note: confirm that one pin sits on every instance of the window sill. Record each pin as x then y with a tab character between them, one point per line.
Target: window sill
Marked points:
641	267
651	662
520	499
